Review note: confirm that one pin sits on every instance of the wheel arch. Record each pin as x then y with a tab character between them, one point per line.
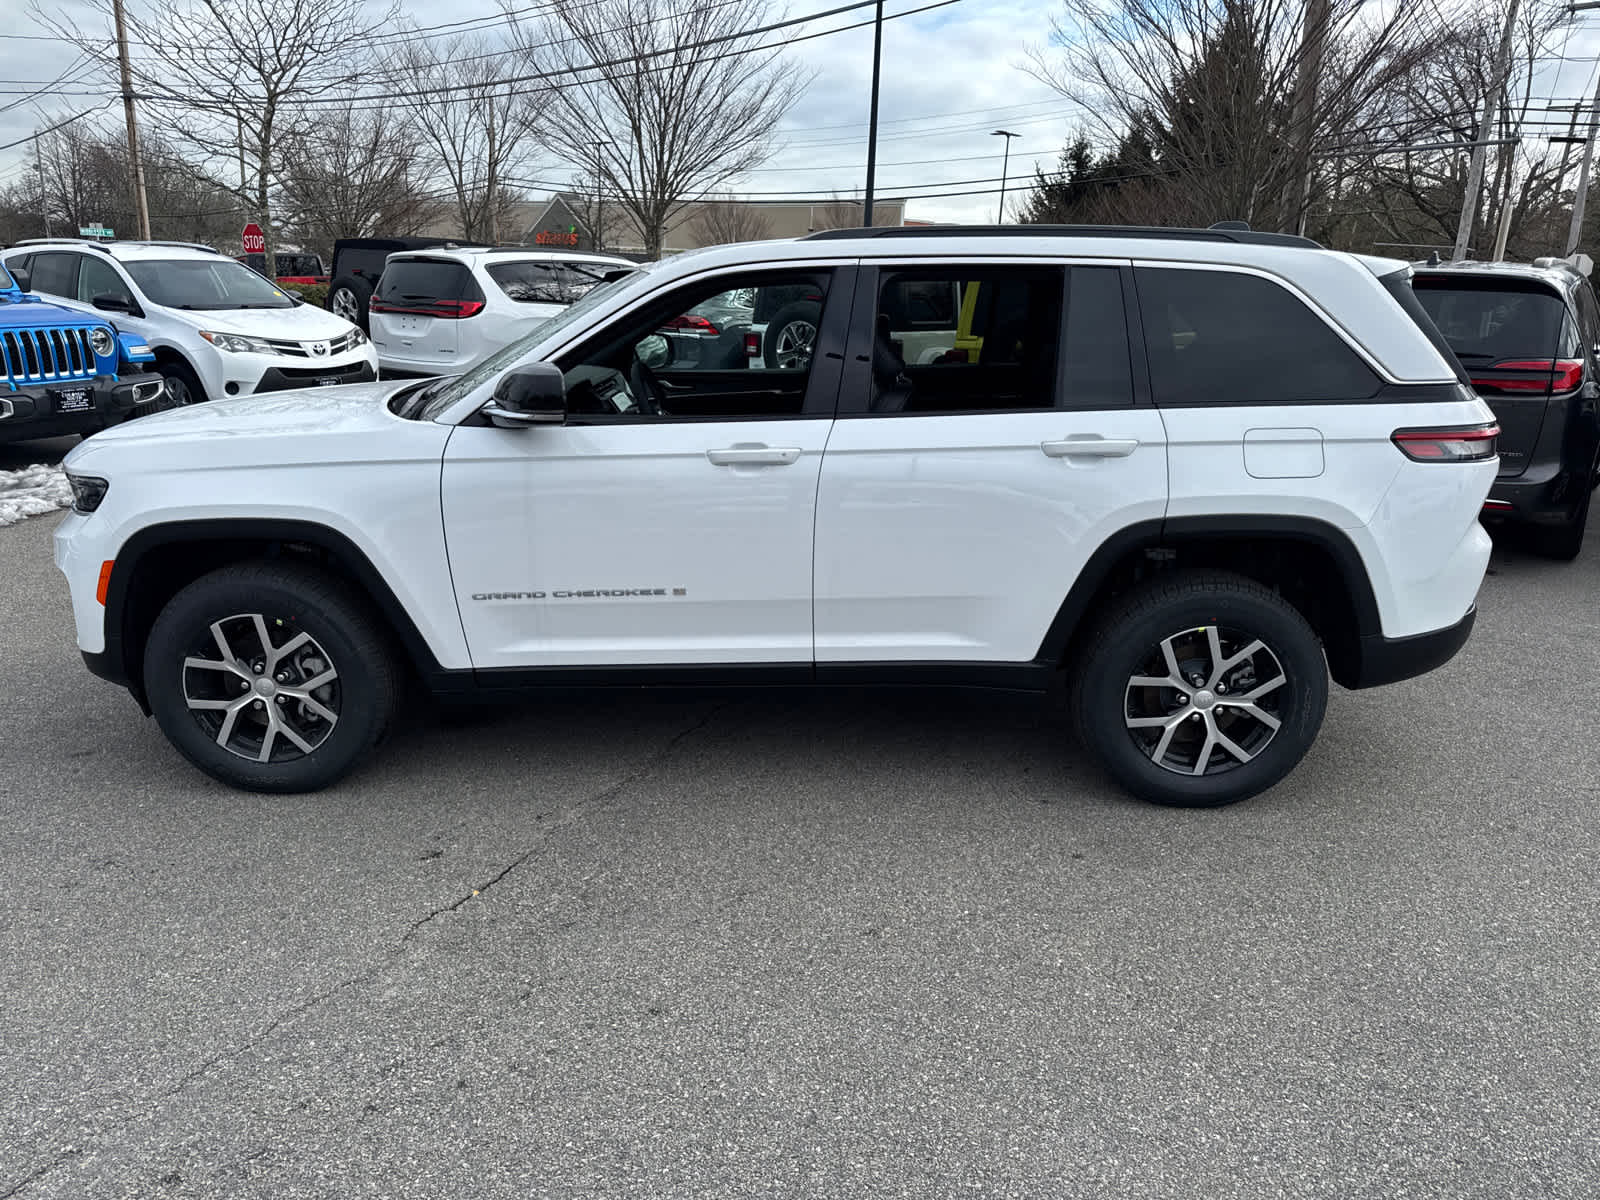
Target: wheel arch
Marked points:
160	560
1312	564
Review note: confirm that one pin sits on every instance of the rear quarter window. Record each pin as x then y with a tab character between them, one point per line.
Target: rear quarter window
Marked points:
1223	337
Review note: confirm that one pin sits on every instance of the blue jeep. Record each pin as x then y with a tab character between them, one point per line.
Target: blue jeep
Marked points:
64	372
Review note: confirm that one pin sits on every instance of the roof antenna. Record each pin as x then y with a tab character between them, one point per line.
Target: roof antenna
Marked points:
1433	259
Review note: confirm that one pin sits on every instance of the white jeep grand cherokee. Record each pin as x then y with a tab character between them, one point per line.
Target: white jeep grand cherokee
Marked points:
1188	474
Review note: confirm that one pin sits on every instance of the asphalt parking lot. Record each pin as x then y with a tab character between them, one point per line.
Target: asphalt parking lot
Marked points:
774	944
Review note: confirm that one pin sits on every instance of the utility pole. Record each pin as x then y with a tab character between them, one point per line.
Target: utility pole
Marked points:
140	204
1005	162
1313	38
1480	149
872	120
44	202
1575	230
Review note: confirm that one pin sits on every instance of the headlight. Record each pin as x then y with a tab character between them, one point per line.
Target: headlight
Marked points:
101	342
358	337
237	343
87	491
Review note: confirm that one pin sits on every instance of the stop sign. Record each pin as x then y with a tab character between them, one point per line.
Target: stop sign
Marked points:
255	242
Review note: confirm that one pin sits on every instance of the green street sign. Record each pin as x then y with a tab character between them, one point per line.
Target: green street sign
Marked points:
94	231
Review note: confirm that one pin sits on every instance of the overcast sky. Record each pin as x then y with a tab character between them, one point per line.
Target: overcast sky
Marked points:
950	77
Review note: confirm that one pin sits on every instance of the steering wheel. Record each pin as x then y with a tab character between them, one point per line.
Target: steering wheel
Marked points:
647	393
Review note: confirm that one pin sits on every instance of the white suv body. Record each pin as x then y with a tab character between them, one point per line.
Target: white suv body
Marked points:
1175	471
437	311
217	328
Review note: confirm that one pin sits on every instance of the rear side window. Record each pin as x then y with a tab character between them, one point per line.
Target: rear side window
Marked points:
426	280
1223	337
1486	324
547	282
55	274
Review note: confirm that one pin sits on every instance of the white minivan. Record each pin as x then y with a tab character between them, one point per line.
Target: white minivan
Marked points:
217	328
438	311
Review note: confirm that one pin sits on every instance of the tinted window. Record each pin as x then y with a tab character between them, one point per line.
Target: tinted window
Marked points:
967	339
1096	371
98	278
363	263
56	274
692	355
6	281
421	280
204	283
1221	337
548	282
1485	324
1588	314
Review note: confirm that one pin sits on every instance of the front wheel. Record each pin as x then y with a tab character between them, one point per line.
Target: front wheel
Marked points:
182	387
272	678
1201	689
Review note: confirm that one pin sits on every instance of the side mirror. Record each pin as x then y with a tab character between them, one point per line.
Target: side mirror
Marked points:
531	395
23	278
111	302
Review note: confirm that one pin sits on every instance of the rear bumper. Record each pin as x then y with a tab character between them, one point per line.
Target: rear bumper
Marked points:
1389	660
1545	494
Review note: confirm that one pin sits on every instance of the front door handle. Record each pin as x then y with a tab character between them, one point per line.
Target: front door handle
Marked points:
1091	446
754	456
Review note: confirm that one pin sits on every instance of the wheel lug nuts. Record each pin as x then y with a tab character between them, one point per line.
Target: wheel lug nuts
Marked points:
261	704
1197	717
1182	699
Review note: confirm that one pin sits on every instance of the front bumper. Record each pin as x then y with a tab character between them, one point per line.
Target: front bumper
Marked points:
1388	660
38	411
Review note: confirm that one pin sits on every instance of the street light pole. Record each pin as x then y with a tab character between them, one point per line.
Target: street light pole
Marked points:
872	119
1005	163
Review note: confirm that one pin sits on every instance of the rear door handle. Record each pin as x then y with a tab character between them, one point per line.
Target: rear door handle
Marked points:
1093	446
754	456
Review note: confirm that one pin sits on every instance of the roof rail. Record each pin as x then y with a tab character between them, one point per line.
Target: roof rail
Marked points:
50	241
1069	231
103	244
184	245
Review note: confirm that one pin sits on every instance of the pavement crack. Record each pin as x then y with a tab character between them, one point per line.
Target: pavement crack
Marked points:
571	813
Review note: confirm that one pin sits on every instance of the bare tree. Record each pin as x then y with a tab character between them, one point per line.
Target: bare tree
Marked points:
231	78
355	174
472	122
1213	85
839	213
723	219
666	101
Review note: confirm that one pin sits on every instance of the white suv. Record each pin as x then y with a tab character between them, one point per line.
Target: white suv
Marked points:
217	328
437	311
1186	474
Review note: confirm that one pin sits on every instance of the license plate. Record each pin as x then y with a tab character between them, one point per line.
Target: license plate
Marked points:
74	400
329	381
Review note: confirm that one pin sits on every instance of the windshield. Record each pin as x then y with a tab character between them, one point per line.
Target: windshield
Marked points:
204	283
6	282
548	282
437	397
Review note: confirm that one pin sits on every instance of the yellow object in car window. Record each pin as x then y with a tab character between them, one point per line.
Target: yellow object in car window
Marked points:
965	339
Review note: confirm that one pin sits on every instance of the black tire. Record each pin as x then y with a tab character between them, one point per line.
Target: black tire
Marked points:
789	318
348	297
1183	606
340	635
182	386
1563	542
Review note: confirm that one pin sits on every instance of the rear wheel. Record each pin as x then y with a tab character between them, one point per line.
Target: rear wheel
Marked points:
270	678
1565	541
791	337
1201	689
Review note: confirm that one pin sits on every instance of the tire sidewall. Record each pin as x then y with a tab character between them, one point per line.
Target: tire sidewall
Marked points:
359	290
180	628
191	382
1118	655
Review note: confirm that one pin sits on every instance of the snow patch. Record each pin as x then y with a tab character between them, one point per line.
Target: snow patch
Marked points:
32	492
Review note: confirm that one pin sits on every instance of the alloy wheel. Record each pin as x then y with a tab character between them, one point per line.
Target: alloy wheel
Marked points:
1205	701
261	689
344	305
792	348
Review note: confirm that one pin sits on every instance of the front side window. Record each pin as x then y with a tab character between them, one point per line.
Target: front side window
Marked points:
966	339
695	354
1224	337
205	284
100	279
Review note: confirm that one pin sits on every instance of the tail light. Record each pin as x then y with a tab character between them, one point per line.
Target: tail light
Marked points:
1557	375
691	323
448	309
752	345
1471	444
